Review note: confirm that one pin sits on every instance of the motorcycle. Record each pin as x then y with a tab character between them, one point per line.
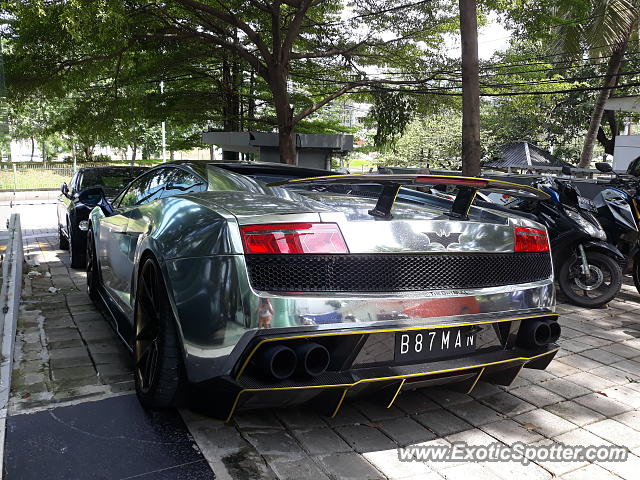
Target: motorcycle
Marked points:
619	215
587	268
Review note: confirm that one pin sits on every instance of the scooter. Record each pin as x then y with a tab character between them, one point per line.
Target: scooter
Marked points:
587	268
619	215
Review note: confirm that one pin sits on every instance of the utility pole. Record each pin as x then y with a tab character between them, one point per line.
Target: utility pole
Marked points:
470	89
164	130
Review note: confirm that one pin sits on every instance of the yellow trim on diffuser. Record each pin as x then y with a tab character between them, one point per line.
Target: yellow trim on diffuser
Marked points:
473	385
342	397
386	330
397	392
378	379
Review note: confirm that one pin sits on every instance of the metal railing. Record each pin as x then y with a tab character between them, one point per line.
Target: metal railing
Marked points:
16	177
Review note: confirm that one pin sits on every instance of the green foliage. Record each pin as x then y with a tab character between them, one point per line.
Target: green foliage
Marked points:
391	112
432	141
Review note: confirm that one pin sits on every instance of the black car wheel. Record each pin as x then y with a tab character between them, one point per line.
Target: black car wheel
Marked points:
77	251
63	242
160	378
92	268
600	287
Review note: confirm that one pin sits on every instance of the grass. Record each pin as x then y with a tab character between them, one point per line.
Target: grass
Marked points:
34	179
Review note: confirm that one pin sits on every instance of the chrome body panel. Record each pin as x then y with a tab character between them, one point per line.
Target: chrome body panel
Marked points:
196	240
230	306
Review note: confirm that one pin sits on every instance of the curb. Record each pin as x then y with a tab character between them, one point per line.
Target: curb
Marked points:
9	303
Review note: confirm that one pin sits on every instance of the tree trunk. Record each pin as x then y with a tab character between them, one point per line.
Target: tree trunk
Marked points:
613	68
44	153
288	152
33	147
284	113
471	152
608	143
286	135
134	151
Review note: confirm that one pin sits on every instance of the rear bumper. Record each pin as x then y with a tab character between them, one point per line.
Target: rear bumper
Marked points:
362	362
219	317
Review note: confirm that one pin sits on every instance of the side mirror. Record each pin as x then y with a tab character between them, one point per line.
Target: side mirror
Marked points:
566	170
64	188
604	167
95	197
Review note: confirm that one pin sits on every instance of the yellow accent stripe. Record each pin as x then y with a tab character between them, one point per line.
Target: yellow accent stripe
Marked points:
335	334
473	385
471	202
397	392
490	182
378	379
342	397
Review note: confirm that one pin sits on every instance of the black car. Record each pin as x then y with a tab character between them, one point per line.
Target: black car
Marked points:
73	215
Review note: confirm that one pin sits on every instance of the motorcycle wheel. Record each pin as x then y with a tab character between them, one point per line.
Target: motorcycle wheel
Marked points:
603	284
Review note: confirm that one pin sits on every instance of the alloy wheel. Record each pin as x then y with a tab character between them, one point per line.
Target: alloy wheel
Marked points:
147	328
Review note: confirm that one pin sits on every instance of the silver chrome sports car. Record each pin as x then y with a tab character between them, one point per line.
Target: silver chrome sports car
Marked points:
249	285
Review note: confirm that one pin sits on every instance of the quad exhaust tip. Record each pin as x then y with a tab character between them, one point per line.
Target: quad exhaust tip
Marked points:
538	333
276	361
279	362
313	359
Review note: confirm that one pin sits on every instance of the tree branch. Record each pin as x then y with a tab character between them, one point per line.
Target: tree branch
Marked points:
323	102
294	30
232	20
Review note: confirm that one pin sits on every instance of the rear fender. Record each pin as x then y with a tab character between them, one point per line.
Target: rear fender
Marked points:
147	248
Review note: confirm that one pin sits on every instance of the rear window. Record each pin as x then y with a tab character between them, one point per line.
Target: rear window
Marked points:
111	180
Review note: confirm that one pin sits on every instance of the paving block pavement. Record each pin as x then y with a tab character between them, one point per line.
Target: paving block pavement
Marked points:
589	395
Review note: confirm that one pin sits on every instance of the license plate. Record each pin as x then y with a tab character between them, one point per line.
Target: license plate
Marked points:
435	343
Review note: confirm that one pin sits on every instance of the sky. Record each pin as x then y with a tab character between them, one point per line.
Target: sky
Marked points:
491	38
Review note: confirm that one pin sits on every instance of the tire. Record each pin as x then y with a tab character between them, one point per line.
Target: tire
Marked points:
93	273
160	377
572	281
77	251
635	272
63	242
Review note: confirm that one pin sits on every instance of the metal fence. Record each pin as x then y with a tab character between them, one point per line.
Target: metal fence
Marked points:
37	176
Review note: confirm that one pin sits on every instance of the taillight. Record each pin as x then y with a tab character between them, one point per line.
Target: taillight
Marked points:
530	240
293	238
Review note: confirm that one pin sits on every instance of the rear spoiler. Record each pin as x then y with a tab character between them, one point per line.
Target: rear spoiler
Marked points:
467	188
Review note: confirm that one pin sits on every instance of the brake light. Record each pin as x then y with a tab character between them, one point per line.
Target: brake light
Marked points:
530	240
466	182
293	238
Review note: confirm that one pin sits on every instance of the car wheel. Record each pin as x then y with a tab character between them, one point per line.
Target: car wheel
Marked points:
77	251
600	288
92	268
160	377
63	242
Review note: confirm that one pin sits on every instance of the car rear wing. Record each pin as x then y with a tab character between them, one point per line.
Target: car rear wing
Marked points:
467	187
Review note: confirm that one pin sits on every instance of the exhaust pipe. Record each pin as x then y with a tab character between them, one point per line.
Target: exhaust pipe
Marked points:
276	362
534	333
313	359
555	329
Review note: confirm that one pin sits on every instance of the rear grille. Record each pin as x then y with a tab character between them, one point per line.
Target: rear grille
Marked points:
394	272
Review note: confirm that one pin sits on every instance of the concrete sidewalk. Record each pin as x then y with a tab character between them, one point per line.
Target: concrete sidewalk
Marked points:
589	395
